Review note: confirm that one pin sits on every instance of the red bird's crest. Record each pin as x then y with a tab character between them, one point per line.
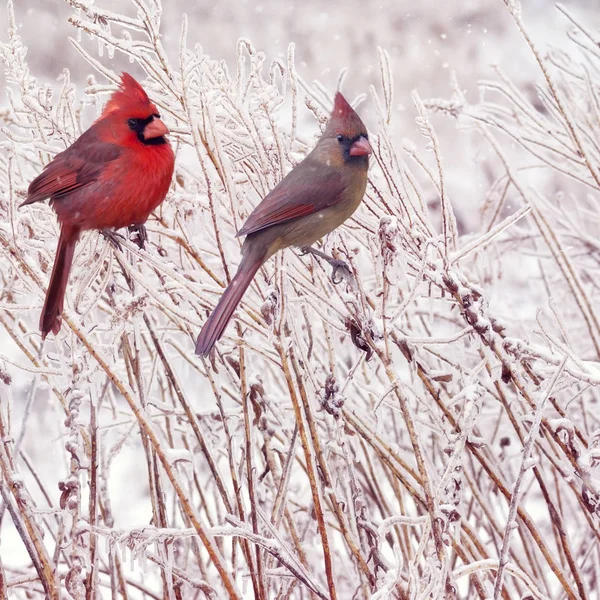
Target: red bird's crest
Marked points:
130	97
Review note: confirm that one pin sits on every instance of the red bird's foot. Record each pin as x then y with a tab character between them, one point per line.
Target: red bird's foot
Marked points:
138	235
340	269
113	238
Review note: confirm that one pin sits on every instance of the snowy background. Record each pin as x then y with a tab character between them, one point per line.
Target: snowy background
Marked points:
377	441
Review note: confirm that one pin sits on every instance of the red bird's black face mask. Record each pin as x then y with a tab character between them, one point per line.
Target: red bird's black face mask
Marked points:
150	131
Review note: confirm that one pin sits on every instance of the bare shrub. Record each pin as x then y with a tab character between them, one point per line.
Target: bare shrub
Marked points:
425	431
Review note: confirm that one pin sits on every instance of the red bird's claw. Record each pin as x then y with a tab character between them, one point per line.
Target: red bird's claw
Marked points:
113	238
138	235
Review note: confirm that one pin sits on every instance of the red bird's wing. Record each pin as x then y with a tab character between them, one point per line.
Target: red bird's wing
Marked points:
79	165
307	189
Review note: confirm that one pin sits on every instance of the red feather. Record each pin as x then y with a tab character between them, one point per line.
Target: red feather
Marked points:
50	319
79	165
130	97
109	178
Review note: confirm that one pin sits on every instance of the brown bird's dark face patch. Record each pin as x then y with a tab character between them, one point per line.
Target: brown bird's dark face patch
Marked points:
355	150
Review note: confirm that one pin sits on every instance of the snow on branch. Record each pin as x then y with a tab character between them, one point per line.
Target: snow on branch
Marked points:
426	430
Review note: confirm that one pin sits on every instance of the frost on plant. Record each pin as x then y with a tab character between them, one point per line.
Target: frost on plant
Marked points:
424	430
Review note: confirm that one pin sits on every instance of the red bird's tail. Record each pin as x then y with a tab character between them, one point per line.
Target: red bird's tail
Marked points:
50	320
215	324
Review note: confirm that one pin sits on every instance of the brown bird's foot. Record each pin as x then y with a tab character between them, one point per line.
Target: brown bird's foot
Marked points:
113	238
340	269
138	235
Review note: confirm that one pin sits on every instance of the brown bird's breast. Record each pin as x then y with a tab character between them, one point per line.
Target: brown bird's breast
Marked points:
305	231
326	220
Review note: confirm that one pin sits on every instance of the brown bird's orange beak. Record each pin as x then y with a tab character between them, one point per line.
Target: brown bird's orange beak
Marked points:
361	147
156	128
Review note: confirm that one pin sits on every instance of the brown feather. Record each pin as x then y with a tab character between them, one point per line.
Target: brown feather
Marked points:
302	192
313	199
344	119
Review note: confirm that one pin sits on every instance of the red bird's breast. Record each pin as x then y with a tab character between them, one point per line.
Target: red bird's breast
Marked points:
124	193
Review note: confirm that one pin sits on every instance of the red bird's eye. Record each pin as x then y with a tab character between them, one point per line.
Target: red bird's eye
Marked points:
133	123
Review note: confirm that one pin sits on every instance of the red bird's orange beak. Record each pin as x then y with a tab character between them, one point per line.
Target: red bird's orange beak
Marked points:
156	128
361	147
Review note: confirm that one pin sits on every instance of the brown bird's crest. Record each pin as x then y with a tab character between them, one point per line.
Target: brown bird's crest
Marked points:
130	97
344	118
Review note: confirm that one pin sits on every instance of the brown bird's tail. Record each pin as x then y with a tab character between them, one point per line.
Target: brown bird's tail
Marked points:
50	320
215	324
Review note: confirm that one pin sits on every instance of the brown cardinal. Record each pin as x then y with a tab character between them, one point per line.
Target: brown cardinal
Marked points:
315	197
113	176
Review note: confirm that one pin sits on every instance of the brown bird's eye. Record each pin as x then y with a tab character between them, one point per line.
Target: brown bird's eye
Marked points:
340	139
133	123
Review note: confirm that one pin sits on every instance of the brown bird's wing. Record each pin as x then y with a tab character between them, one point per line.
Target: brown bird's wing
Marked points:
79	165
307	189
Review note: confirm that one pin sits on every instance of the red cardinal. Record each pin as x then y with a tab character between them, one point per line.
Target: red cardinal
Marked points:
113	176
317	196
